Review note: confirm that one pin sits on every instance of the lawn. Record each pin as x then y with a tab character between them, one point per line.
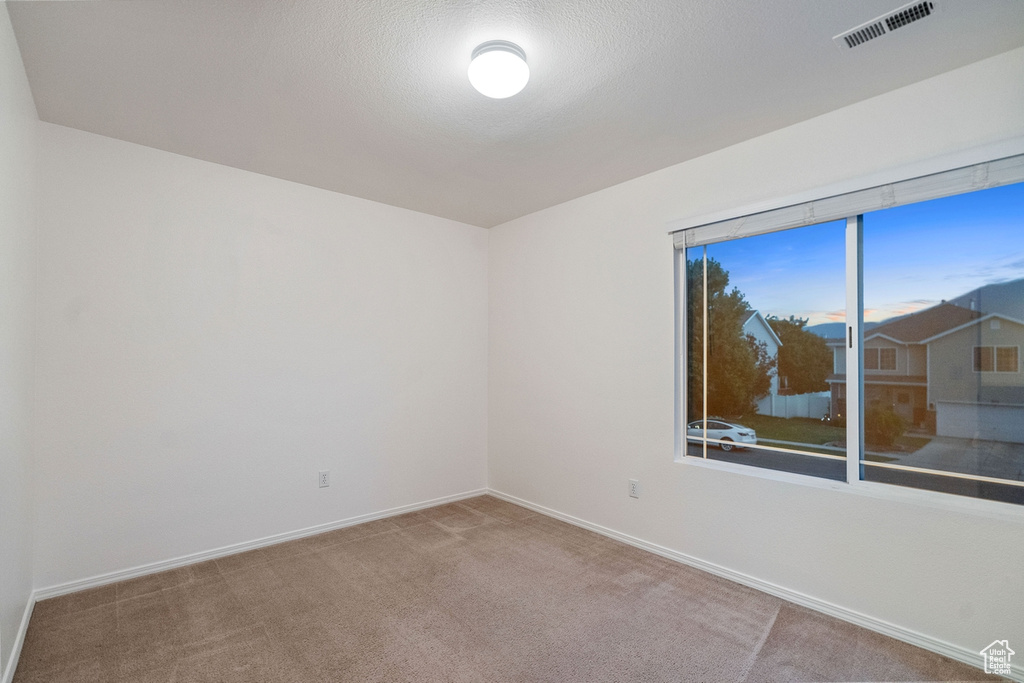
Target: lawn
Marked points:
796	429
815	432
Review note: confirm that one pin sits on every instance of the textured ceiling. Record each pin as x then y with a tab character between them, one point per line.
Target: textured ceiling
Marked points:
370	98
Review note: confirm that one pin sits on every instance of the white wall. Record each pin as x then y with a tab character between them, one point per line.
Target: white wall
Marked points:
17	160
581	375
210	338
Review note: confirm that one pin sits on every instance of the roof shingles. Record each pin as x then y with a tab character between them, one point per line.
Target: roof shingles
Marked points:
927	323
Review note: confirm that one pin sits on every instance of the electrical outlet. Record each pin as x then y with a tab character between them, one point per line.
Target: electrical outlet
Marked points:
634	488
325	478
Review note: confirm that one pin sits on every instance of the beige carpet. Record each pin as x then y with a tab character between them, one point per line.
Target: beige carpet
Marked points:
479	590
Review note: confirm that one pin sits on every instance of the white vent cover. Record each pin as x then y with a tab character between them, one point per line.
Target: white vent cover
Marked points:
887	23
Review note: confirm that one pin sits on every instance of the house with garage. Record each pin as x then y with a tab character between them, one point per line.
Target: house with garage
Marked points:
948	370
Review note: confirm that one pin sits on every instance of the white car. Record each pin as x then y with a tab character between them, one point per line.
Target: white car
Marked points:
730	435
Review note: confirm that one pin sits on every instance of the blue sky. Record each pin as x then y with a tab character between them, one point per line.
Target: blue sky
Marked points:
914	257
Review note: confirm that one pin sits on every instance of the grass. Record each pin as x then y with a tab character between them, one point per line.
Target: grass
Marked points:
813	432
796	429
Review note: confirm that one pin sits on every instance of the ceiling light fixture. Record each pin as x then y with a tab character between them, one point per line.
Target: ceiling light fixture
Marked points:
498	69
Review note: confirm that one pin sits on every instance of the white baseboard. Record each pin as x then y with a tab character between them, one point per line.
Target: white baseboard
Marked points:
19	640
900	633
174	563
961	654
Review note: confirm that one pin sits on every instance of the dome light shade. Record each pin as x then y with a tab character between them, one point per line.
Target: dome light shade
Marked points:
498	69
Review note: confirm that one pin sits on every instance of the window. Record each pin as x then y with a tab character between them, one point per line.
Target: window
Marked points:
1006	359
984	359
880	359
777	295
747	325
995	359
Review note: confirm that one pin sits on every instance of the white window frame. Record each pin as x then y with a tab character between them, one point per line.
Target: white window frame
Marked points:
850	206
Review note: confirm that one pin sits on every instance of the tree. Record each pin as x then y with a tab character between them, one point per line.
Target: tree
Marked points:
804	358
739	367
882	426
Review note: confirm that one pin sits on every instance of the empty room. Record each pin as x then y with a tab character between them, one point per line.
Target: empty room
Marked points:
511	341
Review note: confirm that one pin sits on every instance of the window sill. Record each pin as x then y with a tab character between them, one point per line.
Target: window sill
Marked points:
935	500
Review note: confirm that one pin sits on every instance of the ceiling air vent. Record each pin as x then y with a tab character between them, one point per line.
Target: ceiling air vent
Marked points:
886	23
863	35
908	15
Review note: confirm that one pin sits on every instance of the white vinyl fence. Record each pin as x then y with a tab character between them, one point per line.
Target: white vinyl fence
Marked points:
800	405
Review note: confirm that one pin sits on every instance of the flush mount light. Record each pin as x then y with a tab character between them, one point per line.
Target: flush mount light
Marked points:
498	69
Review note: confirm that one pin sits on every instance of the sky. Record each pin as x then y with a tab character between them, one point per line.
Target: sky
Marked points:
914	257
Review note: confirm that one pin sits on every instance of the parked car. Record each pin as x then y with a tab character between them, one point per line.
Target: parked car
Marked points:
730	435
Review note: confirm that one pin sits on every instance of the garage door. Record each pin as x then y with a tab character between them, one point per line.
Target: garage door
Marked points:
980	421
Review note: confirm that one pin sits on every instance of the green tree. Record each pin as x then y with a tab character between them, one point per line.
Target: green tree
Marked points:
804	358
739	367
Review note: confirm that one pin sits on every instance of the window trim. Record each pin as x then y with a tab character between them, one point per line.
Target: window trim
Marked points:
822	208
987	174
855	350
945	502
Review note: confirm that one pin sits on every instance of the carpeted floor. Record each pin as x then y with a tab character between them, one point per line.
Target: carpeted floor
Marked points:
480	590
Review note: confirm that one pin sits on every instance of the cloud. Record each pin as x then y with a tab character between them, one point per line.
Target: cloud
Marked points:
907	307
897	309
819	317
989	274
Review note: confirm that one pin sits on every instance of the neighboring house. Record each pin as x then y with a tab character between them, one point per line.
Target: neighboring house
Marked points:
757	327
1001	297
777	403
948	369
